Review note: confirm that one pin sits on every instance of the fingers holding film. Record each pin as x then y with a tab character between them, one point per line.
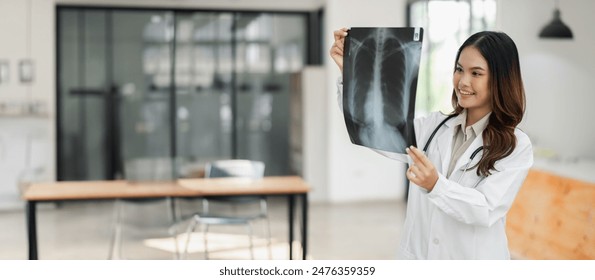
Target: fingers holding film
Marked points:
414	171
340	34
338	47
422	157
336	50
419	157
414	157
410	175
422	171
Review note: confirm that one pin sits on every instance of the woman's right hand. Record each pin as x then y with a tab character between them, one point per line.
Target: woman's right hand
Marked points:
336	50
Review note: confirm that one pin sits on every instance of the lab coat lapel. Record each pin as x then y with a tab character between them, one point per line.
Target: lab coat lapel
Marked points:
464	159
444	142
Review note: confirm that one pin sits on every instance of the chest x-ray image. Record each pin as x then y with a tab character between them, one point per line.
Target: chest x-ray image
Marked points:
380	69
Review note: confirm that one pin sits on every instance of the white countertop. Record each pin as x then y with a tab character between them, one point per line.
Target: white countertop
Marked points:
579	169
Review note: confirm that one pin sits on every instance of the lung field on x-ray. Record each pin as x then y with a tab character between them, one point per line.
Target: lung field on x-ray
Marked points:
380	79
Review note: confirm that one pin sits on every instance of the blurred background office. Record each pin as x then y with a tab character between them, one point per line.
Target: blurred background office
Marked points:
89	86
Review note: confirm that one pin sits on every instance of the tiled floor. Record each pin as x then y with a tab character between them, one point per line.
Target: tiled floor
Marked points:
82	230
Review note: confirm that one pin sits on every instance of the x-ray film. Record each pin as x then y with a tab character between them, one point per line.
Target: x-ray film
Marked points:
380	69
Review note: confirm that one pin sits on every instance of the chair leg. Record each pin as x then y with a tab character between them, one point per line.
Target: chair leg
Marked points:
205	227
251	241
204	236
205	206
189	232
269	243
264	213
174	216
173	232
177	209
115	249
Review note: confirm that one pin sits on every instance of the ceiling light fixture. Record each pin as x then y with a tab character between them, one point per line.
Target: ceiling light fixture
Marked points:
556	29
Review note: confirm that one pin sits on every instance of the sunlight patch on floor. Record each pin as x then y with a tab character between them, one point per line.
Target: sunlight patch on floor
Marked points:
224	246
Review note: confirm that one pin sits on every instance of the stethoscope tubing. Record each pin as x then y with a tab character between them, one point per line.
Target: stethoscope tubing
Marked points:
470	158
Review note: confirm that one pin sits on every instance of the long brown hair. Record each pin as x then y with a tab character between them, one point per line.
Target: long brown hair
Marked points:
507	96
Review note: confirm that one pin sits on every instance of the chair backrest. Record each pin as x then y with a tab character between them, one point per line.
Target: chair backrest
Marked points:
148	169
235	168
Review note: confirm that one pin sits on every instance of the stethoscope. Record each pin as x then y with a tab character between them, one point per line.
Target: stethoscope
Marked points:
470	158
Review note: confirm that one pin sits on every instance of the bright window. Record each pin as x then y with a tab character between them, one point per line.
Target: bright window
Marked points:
446	23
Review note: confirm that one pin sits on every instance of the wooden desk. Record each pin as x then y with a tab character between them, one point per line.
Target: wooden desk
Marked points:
290	186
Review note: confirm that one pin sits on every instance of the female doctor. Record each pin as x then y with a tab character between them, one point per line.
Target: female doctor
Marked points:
474	161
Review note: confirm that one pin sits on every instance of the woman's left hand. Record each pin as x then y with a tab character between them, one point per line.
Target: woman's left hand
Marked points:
422	172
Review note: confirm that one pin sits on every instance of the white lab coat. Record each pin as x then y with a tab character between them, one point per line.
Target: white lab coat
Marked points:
465	220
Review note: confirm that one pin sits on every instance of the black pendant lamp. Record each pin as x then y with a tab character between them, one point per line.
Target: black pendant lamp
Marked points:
556	29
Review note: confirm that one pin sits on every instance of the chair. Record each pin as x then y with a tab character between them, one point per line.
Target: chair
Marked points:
142	170
208	217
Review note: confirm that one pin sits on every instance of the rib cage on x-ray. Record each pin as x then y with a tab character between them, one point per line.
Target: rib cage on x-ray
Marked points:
379	85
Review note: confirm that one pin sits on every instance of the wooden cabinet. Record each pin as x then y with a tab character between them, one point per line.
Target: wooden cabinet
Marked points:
553	217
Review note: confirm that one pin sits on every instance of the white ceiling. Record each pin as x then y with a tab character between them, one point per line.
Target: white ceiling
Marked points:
276	5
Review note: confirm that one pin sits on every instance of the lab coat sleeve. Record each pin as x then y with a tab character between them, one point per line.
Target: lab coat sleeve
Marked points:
395	156
493	197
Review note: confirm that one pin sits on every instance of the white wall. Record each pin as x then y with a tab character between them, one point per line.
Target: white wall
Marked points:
27	143
315	131
28	30
356	173
43	53
558	74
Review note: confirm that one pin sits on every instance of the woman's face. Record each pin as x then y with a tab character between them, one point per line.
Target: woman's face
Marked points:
471	81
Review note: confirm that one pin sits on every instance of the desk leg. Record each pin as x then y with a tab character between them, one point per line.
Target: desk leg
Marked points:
291	203
32	230
304	225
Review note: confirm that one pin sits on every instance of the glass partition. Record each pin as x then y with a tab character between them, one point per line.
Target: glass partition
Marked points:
142	48
83	126
203	89
183	87
111	110
270	48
